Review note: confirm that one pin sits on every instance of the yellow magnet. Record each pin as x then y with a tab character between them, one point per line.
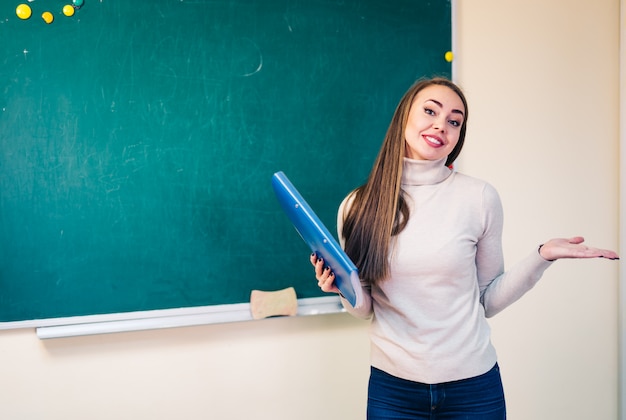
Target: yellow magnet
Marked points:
68	10
47	17
23	11
449	56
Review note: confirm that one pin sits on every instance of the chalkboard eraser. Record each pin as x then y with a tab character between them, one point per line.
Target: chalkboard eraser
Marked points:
277	303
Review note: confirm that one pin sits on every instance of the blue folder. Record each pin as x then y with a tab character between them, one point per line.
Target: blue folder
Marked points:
318	238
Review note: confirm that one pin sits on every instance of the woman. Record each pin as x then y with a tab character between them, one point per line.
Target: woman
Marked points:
427	242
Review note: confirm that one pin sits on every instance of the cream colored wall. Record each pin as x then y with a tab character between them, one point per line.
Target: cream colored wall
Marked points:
307	368
542	81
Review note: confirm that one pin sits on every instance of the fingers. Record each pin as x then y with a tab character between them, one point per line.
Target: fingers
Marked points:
318	263
583	251
326	281
606	253
324	275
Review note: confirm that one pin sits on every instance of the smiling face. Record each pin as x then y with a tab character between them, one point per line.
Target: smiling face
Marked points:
434	123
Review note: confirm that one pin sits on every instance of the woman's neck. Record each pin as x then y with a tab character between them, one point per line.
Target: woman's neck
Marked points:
424	172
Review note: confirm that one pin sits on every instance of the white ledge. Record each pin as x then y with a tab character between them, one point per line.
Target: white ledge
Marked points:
163	318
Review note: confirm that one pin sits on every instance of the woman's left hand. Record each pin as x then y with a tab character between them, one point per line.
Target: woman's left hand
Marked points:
557	248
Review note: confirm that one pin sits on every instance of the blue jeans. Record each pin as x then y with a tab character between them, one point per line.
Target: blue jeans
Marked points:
478	398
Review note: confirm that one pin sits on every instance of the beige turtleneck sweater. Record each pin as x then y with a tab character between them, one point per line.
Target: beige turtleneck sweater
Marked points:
447	275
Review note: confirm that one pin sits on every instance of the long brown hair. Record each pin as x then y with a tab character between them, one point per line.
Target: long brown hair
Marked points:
378	210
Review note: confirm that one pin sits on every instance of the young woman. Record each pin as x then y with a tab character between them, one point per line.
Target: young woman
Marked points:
427	242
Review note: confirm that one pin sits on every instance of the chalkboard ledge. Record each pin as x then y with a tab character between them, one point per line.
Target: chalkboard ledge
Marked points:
164	318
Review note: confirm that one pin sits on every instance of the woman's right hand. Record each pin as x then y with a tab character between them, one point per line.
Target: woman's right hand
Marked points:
324	275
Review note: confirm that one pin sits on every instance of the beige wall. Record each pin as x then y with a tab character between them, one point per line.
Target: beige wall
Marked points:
542	81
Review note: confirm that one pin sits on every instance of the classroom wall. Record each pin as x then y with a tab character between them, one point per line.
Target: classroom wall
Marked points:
542	83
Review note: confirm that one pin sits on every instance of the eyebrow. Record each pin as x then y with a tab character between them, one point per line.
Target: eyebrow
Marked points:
454	111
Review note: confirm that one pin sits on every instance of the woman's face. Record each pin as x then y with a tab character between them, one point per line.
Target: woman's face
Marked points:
434	125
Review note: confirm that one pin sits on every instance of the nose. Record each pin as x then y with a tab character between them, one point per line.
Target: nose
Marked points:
439	124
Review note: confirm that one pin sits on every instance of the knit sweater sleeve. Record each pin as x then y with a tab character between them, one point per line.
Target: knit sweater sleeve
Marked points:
499	288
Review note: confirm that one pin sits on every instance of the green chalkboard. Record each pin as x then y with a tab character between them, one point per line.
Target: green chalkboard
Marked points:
138	142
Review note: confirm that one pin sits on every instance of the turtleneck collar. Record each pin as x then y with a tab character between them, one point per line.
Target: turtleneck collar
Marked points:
424	172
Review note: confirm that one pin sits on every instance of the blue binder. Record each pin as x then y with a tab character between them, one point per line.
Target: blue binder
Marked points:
318	238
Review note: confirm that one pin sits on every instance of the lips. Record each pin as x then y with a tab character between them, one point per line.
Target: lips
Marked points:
434	141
